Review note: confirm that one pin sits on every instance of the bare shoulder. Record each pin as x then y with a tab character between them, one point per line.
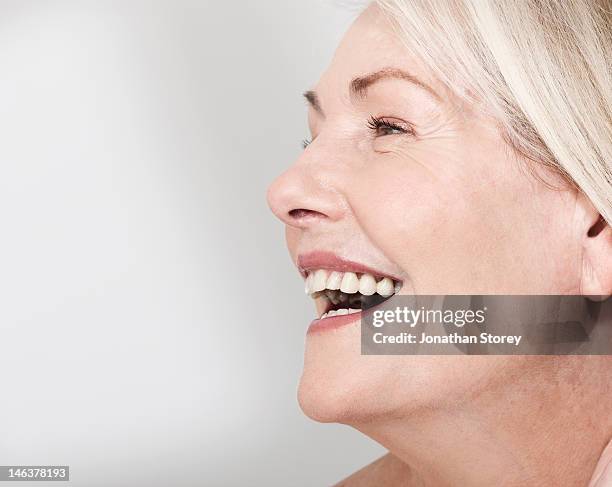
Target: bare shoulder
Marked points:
387	471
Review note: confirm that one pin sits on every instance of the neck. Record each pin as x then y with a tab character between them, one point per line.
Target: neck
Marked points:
549	431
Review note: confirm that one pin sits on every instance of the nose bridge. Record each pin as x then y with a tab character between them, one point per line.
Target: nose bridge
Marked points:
307	193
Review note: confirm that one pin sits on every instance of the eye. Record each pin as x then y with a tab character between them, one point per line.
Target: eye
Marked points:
382	127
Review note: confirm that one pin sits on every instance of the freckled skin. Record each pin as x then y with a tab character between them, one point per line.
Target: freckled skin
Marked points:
452	210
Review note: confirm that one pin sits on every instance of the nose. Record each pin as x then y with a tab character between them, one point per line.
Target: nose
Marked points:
305	195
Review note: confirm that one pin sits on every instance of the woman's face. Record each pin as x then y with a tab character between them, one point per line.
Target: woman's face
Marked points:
402	178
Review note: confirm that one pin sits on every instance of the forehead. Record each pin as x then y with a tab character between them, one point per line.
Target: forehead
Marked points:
370	45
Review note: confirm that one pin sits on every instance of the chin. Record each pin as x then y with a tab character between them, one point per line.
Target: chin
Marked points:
340	385
345	402
319	404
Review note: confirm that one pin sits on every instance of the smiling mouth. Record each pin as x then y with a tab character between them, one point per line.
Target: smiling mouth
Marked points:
339	293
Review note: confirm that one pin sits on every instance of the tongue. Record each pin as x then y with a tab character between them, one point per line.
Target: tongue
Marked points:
359	301
369	301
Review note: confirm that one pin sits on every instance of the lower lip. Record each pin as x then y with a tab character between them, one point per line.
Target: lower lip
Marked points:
318	326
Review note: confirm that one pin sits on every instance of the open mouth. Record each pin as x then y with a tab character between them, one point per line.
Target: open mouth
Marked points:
342	293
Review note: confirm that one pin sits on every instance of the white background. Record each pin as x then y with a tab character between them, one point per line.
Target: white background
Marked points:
151	324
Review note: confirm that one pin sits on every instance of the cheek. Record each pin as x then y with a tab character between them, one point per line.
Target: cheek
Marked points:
418	219
453	223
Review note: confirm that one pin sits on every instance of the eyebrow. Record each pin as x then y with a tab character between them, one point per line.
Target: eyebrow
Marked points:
359	85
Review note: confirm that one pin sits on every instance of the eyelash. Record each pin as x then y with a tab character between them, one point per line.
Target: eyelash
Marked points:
375	124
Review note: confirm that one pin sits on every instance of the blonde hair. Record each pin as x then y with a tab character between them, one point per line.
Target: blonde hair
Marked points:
542	67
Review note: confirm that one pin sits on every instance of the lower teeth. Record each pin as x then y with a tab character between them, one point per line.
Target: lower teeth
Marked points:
338	312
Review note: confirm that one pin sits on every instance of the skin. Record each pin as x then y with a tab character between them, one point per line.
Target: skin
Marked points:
448	207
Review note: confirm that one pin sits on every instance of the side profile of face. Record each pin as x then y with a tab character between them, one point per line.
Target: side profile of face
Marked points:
403	178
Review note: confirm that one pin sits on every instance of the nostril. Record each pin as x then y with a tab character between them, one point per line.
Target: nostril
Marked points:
302	213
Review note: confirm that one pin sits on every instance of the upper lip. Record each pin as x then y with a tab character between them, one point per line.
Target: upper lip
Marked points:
330	261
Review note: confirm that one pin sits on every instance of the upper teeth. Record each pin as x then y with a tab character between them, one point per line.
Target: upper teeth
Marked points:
349	282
